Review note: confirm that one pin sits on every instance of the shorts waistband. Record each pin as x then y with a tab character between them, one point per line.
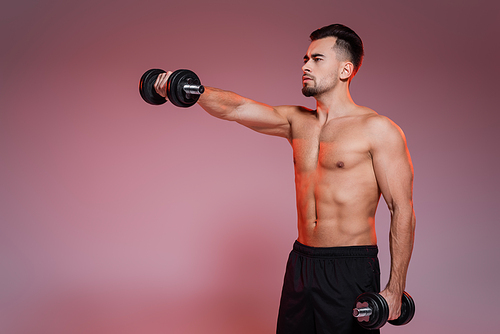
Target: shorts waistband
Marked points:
336	252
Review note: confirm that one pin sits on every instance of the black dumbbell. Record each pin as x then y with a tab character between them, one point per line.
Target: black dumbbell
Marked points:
372	310
183	88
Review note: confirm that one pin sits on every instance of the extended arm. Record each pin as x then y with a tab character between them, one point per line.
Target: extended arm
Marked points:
394	173
254	115
233	107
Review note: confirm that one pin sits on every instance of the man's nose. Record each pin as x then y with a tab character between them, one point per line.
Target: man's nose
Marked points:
306	68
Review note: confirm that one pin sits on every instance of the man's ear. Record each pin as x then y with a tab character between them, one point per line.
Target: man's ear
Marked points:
347	71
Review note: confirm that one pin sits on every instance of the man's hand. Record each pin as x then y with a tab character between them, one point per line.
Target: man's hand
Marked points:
394	302
161	84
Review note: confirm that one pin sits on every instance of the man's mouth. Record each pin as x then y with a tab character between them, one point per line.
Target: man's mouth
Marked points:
306	78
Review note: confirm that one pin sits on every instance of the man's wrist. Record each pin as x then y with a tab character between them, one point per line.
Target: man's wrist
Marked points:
395	288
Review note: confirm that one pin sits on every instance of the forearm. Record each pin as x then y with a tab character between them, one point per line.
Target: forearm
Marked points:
220	103
401	240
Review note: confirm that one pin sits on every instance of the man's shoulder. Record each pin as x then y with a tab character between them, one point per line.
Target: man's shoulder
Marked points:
383	131
295	114
380	124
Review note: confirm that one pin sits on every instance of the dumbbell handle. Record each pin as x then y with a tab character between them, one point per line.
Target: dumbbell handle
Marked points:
362	312
193	89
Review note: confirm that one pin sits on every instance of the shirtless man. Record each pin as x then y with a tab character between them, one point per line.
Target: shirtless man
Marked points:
345	157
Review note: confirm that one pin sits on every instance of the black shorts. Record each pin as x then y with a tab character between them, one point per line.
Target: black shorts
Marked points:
321	286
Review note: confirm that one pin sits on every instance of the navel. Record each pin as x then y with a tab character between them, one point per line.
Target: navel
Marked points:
340	164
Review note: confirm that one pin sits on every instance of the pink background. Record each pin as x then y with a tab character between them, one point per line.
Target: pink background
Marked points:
121	217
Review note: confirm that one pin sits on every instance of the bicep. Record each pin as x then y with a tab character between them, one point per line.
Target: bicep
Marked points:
393	166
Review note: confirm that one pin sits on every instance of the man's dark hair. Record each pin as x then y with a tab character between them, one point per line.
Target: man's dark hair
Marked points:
348	42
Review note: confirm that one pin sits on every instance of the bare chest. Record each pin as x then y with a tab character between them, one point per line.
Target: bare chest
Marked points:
337	145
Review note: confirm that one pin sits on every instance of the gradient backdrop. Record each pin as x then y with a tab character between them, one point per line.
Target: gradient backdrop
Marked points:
121	217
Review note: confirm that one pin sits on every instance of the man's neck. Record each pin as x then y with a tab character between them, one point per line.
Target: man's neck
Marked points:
335	103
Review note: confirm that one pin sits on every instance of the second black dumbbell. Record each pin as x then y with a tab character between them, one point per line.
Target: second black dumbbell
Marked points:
372	310
183	88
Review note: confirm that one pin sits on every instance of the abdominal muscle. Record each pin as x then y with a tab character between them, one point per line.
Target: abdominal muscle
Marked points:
336	207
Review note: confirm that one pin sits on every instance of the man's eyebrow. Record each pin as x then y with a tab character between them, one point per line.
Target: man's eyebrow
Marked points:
314	55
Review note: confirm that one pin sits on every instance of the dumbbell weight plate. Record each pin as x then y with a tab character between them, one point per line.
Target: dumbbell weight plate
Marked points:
407	311
147	89
175	88
380	310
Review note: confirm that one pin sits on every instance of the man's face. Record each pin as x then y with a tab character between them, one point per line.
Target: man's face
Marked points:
320	70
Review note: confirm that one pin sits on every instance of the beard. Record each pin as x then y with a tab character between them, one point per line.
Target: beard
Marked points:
309	91
317	89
